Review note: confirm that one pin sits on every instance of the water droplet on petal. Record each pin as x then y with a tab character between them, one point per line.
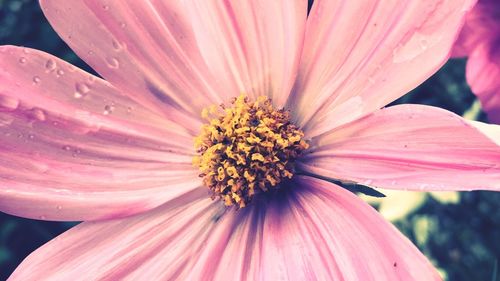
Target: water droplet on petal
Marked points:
36	79
50	65
123	25
38	114
105	7
60	72
91	53
66	147
42	217
22	60
8	103
116	45
91	78
367	182
81	90
424	44
112	62
108	109
414	47
59	208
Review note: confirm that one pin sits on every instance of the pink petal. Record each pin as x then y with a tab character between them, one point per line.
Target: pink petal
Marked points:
408	147
74	148
252	46
360	56
144	48
315	231
482	72
492	131
156	245
481	25
45	84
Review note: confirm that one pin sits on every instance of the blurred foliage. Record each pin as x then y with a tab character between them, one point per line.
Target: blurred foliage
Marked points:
22	23
461	239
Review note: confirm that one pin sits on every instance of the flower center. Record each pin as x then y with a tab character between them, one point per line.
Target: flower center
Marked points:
246	149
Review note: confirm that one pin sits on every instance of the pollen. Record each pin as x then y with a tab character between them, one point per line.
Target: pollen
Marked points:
246	149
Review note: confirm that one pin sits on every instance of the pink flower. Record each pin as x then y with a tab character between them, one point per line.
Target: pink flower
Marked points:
118	153
480	41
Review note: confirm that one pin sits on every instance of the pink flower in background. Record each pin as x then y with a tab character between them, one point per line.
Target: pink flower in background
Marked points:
480	41
118	153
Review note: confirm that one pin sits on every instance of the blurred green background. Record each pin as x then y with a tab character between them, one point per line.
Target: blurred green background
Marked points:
462	238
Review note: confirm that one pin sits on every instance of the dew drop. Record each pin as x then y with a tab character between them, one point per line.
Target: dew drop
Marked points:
129	109
38	114
50	65
91	78
36	79
42	217
66	147
413	47
22	60
59	208
8	103
60	72
123	25
105	7
116	45
31	136
108	109
112	62
424	44
81	90
91	53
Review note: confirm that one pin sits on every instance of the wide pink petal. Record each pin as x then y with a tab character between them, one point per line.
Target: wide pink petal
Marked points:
73	148
408	147
482	73
144	48
359	56
314	231
158	245
252	47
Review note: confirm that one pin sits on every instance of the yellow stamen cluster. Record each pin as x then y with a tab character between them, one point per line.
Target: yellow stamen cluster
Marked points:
246	149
